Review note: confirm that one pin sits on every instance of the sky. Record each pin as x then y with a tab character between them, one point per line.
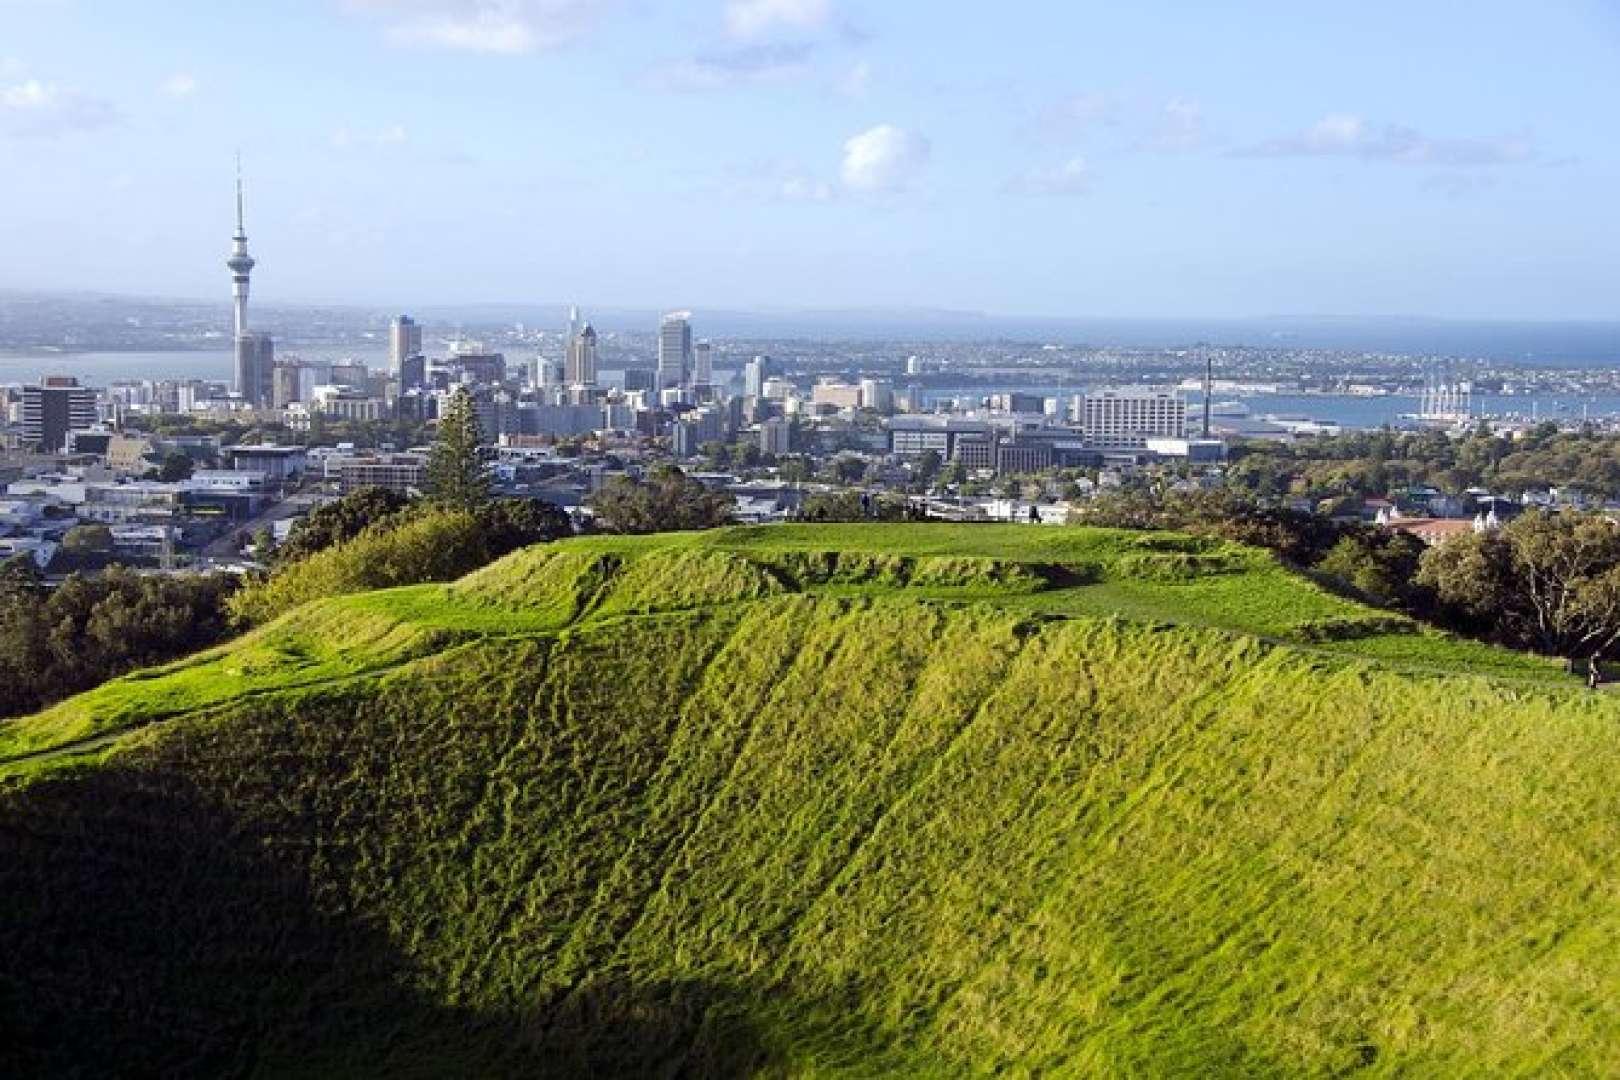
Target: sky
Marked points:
1028	157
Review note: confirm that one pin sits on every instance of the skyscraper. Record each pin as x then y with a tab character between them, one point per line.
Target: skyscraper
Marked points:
674	350
581	365
55	407
758	370
255	353
404	342
702	364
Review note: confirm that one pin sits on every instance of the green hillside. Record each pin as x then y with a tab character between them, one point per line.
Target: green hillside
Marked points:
821	801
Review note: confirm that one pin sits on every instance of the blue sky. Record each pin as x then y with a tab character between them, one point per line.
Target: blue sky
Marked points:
1059	158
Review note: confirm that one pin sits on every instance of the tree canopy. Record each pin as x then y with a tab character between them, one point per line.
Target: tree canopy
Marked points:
1544	582
666	501
341	520
56	642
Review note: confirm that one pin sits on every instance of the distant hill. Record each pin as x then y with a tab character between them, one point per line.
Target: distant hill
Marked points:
821	801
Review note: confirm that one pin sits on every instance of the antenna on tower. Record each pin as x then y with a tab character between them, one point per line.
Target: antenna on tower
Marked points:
241	227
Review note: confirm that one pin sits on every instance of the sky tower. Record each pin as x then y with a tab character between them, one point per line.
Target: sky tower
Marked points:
255	353
240	262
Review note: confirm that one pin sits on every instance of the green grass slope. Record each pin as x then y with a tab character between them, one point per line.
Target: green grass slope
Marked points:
824	801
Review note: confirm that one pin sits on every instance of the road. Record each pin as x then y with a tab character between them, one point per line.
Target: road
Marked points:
292	506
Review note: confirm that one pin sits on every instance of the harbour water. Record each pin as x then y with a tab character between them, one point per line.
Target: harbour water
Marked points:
1350	411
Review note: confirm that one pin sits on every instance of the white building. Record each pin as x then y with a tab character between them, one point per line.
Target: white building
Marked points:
1128	418
674	349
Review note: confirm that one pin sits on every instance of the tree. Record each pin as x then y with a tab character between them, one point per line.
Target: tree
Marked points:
849	470
854	506
928	465
1549	583
1379	566
175	468
436	545
88	539
796	469
510	524
667	501
56	642
456	476
340	520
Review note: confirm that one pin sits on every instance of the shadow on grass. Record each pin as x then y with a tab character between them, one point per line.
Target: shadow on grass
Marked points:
145	930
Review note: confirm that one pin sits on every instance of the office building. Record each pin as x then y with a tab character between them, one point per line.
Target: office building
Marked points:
1017	455
275	463
674	350
404	473
580	368
53	408
703	364
877	395
284	384
1031	404
404	342
349	373
836	395
913	436
484	368
548	373
256	369
1124	419
688	434
412	373
759	369
776	437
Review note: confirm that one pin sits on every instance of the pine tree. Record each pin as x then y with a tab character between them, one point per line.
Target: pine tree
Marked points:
456	476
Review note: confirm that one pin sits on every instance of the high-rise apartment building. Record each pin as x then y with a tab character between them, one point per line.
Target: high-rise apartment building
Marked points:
674	350
55	407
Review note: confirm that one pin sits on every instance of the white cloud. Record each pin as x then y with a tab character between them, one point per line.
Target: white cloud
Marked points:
857	81
807	189
41	109
749	19
738	67
30	95
179	85
510	27
1082	111
1349	135
883	158
345	138
1073	177
1181	127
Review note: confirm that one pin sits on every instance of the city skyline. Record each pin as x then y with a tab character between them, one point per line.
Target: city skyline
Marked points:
1070	163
